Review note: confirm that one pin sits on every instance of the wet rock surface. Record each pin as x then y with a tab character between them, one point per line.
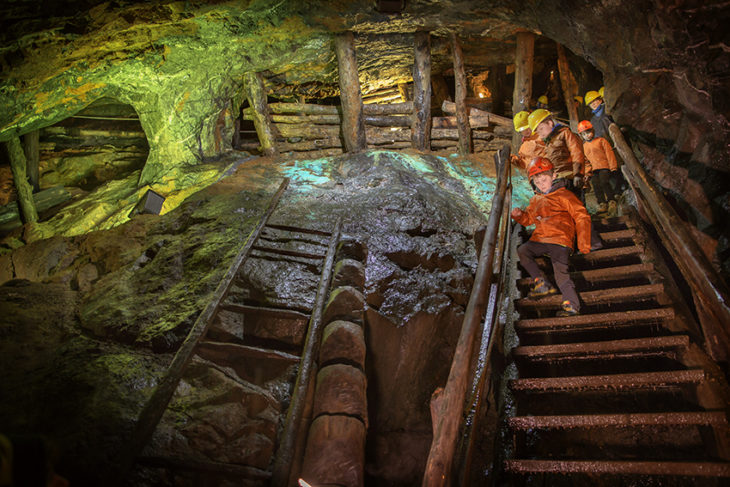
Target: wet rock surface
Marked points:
154	275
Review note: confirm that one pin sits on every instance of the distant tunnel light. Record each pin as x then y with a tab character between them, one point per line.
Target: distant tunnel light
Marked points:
391	6
303	483
481	94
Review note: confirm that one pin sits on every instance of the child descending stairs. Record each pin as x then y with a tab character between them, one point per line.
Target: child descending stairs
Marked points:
623	393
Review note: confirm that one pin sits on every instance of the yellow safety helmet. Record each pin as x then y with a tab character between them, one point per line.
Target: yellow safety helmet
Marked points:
520	121
600	91
543	99
579	99
536	117
592	95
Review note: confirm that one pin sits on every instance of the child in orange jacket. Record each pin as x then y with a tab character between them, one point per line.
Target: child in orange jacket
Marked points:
558	215
602	160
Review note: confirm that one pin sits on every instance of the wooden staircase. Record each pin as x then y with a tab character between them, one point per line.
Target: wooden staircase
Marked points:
621	394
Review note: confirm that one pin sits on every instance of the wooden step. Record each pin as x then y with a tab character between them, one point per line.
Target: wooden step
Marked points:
594	321
685	418
617	235
290	253
593	298
298	229
612	382
599	258
596	276
692	469
614	348
278	313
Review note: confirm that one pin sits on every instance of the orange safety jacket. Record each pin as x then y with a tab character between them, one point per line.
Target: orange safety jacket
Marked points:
558	216
564	149
600	155
529	149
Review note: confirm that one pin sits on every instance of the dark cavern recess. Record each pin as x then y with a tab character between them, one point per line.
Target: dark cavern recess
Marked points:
269	244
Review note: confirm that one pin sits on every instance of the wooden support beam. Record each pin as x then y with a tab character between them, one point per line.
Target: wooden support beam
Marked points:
421	127
353	125
475	113
32	156
25	192
524	57
262	120
462	118
570	87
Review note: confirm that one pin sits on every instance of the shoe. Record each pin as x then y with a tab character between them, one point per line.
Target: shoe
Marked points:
568	310
601	208
540	288
612	209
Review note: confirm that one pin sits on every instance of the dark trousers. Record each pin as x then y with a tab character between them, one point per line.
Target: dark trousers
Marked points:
559	256
601	182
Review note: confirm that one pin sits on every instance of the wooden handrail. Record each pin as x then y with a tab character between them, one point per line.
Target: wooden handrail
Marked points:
448	412
706	284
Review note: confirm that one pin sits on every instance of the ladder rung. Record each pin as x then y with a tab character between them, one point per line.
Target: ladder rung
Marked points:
277	312
298	229
689	418
290	253
596	349
573	323
615	382
693	469
232	350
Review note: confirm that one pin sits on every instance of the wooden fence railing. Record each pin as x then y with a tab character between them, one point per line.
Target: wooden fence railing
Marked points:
709	291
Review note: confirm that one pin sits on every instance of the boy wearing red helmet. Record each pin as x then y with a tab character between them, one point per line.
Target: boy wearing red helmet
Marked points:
599	153
558	216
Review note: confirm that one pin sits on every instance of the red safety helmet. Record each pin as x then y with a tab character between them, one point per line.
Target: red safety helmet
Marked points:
584	125
539	165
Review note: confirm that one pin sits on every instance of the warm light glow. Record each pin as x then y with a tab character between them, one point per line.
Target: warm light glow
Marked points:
481	94
303	483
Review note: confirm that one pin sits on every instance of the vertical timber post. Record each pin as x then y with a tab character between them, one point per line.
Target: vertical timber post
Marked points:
462	117
421	126
32	157
569	87
25	191
353	122
261	118
524	56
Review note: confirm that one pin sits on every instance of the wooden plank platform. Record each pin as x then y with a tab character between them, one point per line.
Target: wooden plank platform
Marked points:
598	320
615	382
692	469
689	418
598	349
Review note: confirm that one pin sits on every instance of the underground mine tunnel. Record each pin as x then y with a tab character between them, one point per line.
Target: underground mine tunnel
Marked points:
270	243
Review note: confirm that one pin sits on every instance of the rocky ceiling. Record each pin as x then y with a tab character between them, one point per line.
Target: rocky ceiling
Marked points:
180	65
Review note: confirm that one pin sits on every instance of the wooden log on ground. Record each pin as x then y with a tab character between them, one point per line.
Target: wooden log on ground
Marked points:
477	114
388	120
383	135
453	134
28	211
335	452
32	156
569	86
451	122
462	116
421	127
262	121
341	389
353	125
343	342
524	57
43	200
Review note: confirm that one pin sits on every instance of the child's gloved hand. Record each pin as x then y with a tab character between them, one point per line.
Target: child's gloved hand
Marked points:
517	213
578	182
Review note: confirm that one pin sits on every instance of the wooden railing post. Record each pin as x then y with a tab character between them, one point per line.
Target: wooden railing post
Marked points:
707	286
353	124
261	119
462	117
567	81
450	404
524	56
421	127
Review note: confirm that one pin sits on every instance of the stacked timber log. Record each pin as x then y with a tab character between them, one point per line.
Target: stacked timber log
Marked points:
312	131
309	130
335	449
